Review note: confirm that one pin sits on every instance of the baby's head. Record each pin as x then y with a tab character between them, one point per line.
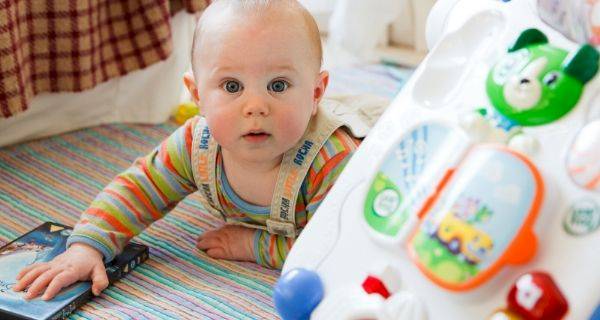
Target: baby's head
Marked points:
256	66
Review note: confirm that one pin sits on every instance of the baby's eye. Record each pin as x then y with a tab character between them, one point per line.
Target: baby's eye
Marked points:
278	86
232	86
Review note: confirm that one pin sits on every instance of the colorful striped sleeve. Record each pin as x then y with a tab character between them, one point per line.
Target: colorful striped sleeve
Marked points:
144	193
271	250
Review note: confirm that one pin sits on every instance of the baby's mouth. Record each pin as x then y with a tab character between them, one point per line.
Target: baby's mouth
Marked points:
256	136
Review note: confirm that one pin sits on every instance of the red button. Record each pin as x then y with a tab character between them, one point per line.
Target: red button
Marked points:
374	285
536	296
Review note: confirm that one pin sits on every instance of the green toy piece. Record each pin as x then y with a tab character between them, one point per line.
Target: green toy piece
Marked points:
527	38
536	83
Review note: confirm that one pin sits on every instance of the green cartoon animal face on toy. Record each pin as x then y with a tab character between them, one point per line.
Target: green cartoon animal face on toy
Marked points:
536	83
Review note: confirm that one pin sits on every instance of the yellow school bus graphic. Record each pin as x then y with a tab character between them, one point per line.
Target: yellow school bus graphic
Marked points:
463	238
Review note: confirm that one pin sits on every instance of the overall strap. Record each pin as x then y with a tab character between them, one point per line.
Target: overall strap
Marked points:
294	168
204	157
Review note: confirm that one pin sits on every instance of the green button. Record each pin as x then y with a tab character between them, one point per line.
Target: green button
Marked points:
386	202
583	217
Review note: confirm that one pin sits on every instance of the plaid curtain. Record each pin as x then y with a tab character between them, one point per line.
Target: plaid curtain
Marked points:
73	45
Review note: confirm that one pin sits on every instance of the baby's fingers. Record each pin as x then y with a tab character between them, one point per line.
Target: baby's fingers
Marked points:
218	253
27	269
41	282
99	279
213	246
29	275
62	280
209	242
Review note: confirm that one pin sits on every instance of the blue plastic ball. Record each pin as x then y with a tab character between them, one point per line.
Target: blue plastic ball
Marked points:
596	314
297	293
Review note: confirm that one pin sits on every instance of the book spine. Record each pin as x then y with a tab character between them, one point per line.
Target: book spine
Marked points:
6	315
114	273
66	310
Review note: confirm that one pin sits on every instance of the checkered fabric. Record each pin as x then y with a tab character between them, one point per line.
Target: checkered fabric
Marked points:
73	45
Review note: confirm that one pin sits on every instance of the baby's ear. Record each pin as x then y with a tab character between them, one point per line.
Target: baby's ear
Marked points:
319	90
190	84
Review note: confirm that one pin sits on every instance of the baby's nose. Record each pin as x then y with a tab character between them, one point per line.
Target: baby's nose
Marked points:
256	106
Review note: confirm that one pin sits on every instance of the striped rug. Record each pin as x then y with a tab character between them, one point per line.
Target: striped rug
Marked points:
54	179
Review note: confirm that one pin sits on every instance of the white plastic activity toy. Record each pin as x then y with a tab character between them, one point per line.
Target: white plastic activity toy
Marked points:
477	194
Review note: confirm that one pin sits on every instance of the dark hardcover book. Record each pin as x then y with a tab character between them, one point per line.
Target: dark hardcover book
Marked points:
40	245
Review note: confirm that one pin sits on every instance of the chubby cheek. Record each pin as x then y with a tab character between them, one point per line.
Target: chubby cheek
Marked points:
222	127
291	129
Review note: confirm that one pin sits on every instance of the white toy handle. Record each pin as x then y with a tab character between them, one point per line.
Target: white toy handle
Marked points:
436	21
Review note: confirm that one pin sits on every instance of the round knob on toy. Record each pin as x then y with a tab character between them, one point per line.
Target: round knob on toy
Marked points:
297	293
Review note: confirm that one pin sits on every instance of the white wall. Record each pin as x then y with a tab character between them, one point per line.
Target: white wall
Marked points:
321	10
372	30
318	5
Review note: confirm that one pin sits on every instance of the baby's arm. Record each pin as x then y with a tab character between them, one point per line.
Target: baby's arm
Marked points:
142	194
271	249
130	203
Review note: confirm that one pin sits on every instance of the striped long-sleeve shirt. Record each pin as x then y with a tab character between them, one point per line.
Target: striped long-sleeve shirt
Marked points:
154	185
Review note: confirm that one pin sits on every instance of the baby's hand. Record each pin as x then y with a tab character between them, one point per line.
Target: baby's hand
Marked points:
79	263
229	242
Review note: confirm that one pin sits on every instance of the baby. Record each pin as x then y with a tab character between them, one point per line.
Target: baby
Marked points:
258	82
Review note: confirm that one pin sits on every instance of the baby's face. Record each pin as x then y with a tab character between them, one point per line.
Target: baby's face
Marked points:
258	84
